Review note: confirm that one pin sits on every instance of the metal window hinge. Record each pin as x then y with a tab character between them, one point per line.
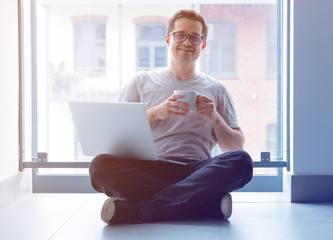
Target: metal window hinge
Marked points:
265	162
42	157
265	157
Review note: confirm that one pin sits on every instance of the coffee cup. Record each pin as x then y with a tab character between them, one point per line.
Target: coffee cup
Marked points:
189	97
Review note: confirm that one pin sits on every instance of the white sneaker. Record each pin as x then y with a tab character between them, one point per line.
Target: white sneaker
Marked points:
108	210
226	206
115	211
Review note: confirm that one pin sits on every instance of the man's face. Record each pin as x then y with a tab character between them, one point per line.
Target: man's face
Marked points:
185	51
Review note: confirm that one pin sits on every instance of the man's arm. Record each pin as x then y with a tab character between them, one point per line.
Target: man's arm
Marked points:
228	138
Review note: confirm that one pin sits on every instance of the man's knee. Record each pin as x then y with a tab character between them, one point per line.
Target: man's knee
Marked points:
245	158
97	172
240	161
105	169
97	165
246	164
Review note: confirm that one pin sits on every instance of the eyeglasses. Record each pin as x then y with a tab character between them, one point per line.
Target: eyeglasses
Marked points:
180	37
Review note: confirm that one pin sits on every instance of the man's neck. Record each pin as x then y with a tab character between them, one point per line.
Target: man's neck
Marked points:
183	72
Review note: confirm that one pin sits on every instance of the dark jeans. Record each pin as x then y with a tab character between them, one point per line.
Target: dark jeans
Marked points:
166	190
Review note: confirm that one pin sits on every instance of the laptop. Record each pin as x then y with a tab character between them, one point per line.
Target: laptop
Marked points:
116	128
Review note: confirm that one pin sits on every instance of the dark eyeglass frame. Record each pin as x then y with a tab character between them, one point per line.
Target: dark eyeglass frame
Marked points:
190	36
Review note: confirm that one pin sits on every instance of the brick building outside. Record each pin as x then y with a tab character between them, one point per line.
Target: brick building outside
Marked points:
253	76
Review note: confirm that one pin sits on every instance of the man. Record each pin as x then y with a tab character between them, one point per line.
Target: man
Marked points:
148	191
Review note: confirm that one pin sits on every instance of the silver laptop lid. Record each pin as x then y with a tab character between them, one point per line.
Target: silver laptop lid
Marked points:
113	128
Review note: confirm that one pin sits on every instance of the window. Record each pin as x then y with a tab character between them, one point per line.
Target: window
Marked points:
90	53
89	45
220	54
151	48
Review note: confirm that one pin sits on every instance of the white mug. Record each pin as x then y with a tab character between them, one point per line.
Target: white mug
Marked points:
189	97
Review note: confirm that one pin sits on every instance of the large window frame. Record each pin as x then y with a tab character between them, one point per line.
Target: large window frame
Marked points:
71	183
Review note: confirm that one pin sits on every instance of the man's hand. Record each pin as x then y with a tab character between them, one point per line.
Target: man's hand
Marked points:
170	107
228	138
206	108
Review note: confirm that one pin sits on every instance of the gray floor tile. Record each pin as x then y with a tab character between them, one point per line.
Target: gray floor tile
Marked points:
77	216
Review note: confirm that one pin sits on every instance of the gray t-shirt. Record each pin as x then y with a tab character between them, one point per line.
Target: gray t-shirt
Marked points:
186	137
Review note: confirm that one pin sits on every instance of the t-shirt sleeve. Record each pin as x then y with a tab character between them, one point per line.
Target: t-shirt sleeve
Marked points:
226	108
130	92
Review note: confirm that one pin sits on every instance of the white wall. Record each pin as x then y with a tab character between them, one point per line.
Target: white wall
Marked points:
313	87
8	89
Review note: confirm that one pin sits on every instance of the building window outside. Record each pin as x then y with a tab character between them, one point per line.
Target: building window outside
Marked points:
89	46
151	47
219	58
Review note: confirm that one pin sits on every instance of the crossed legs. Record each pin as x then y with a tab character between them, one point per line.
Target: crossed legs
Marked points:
165	190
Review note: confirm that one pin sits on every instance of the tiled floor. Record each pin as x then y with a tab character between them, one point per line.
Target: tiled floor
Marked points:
76	216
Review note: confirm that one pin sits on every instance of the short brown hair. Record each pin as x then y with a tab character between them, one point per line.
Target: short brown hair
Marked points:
189	14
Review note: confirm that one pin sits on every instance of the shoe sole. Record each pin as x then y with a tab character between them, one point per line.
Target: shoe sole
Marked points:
108	210
226	206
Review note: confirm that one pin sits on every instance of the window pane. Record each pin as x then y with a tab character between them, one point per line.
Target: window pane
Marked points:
271	138
160	56
224	30
143	57
89	47
149	32
271	49
90	54
213	60
220	56
151	35
242	38
227	54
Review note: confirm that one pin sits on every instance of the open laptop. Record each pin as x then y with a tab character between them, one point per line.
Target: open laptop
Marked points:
115	128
